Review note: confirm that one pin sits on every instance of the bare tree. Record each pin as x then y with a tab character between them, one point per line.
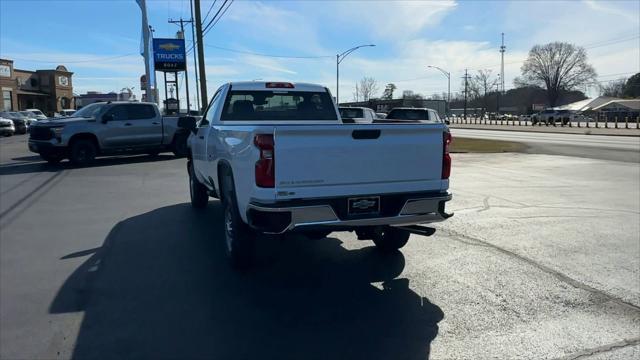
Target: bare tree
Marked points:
613	88
483	82
558	66
409	94
367	88
388	91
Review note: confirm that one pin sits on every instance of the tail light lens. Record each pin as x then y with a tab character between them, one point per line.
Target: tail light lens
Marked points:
446	158
265	167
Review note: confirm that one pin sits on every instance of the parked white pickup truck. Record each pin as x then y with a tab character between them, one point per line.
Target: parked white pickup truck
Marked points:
280	159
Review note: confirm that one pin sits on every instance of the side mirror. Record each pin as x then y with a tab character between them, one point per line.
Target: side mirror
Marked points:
447	121
187	122
107	117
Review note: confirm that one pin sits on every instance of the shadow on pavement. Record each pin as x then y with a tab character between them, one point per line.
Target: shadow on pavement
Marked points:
29	164
160	287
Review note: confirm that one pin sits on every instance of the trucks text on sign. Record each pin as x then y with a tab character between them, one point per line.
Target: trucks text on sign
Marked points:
169	55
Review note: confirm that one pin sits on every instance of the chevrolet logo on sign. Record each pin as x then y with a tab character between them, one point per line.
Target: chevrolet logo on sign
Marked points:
169	55
169	47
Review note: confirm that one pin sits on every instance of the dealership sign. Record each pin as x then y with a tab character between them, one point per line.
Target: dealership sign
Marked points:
169	55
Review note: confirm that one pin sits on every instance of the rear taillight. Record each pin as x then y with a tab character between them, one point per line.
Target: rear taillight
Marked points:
279	85
446	158
265	167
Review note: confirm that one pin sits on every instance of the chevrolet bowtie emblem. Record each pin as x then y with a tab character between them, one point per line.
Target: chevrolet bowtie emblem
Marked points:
363	204
169	47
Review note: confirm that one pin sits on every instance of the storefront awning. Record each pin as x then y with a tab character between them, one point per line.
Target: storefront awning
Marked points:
34	93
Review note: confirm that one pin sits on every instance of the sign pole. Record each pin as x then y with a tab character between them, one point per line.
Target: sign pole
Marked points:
186	71
145	52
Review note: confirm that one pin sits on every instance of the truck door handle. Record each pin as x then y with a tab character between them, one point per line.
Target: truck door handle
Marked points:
155	123
201	137
365	134
127	124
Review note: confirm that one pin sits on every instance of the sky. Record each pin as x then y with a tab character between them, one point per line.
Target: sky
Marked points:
99	41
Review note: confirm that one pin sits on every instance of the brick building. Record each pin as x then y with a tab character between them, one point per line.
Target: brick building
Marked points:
47	90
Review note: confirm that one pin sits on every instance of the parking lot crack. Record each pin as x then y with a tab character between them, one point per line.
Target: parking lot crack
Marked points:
468	240
602	349
30	198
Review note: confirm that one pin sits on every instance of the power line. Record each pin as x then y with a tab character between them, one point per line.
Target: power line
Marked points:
211	23
204	29
633	35
587	47
613	42
209	11
268	55
76	61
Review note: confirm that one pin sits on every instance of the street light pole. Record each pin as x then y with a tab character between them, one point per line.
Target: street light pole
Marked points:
448	75
339	58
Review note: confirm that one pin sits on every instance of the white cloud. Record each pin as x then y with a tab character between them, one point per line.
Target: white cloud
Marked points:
609	8
276	27
396	19
273	65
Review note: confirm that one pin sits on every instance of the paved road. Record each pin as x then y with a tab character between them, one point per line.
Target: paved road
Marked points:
620	148
541	260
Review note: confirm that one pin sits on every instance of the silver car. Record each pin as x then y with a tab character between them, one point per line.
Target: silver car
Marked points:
6	127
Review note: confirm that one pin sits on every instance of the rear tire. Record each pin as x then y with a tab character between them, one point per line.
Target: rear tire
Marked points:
197	191
83	152
239	237
389	239
179	147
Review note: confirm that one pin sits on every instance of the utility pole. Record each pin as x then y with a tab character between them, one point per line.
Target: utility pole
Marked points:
502	50
466	79
195	63
186	70
203	74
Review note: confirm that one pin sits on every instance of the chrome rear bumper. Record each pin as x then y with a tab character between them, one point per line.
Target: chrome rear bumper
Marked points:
277	219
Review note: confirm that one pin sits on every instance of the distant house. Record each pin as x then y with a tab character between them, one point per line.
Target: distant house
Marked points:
609	106
620	108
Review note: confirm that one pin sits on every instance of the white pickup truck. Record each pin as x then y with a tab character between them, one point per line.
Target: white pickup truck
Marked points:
280	159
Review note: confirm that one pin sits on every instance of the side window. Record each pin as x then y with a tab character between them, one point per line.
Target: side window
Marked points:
119	113
140	112
207	118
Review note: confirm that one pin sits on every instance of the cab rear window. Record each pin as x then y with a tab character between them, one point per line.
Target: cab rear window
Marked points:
347	113
408	114
278	105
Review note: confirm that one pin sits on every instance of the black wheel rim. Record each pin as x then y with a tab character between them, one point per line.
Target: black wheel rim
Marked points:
83	153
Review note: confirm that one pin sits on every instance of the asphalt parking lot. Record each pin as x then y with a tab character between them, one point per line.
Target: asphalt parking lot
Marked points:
541	260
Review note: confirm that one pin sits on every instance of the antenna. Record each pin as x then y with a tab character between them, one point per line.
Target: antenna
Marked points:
502	50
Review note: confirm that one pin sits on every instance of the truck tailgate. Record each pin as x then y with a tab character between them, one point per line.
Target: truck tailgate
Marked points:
339	160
